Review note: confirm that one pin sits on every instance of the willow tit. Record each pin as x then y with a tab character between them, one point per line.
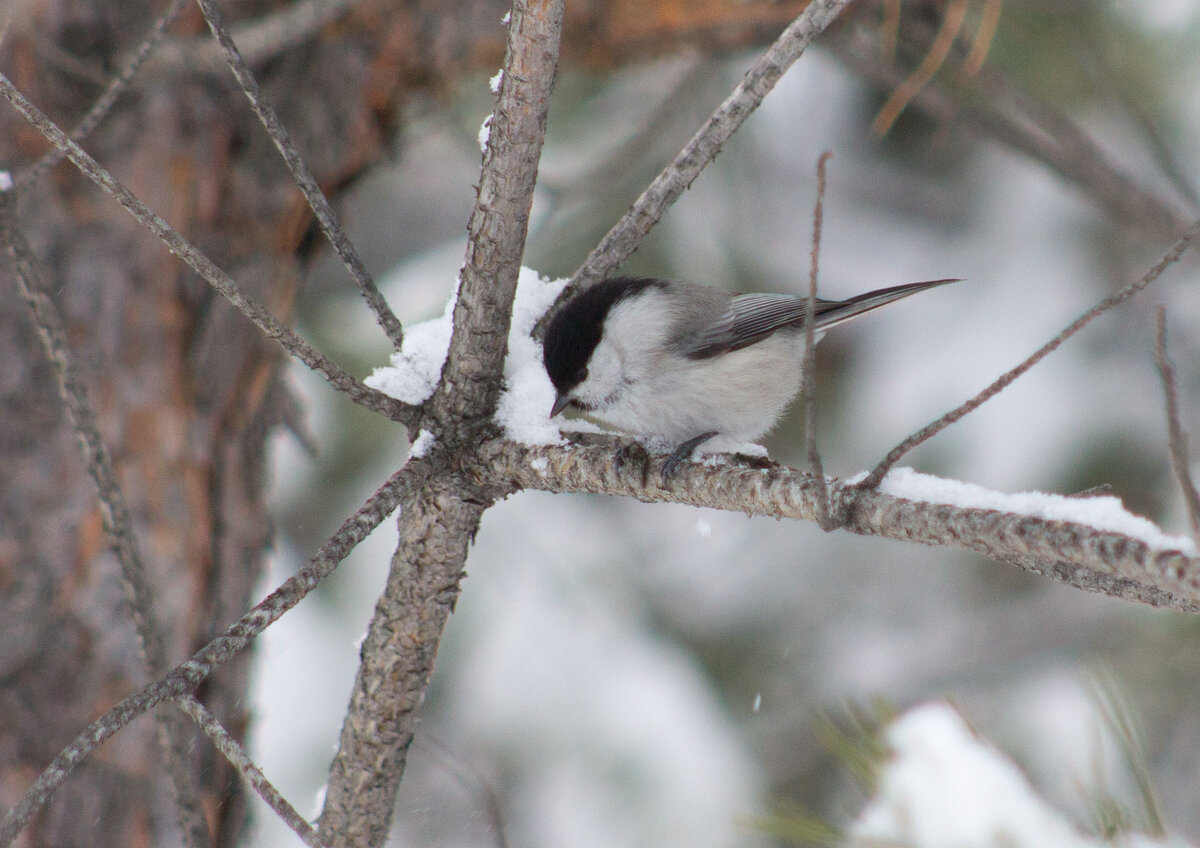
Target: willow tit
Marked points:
686	363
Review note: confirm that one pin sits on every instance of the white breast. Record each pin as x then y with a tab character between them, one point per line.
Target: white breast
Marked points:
638	385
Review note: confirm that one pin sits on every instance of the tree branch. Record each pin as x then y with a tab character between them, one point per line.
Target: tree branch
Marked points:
237	757
623	239
438	522
1005	380
201	264
991	106
1072	553
185	677
1176	436
303	178
174	735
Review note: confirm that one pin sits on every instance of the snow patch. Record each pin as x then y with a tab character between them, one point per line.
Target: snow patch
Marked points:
1105	513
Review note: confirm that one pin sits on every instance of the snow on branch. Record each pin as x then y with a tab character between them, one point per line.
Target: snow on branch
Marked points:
1089	543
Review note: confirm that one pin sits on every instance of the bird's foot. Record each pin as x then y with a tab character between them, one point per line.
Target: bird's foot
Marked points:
681	453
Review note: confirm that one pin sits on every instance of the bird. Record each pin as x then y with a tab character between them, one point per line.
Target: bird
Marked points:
686	363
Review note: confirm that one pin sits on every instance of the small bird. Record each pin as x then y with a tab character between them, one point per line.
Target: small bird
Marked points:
685	363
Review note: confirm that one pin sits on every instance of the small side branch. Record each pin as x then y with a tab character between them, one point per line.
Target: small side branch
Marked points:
237	757
924	434
808	387
703	147
174	735
185	677
317	201
202	265
108	99
1176	435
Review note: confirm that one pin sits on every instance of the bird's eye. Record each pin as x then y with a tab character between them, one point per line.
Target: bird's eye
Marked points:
580	375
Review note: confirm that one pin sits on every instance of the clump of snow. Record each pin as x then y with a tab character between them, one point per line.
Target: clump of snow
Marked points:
524	407
485	132
1105	513
6	181
494	82
944	787
421	444
415	369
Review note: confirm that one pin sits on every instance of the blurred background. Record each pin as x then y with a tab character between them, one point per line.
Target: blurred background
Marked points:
620	674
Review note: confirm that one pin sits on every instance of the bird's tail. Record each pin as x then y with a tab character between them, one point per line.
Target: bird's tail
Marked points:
839	312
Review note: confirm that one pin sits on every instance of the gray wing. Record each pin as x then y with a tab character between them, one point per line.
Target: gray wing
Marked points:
750	318
747	319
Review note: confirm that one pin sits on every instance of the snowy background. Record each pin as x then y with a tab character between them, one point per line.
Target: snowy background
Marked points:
619	674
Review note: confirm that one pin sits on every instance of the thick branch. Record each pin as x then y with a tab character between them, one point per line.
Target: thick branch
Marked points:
1076	554
496	232
436	527
438	522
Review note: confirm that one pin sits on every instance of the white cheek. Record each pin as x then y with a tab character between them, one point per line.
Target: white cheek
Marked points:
606	375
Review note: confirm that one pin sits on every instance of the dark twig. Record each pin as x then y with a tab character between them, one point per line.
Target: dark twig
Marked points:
808	388
703	147
260	39
174	734
303	177
1176	436
873	479
116	87
185	677
990	106
237	757
201	264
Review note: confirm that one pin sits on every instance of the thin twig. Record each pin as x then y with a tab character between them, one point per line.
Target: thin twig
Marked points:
703	147
807	371
116	87
985	34
203	266
237	757
261	38
990	106
174	735
1177	437
873	479
185	677
952	22
303	177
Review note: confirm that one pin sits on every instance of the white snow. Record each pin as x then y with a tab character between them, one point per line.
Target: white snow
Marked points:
6	181
524	407
494	82
421	444
946	788
485	132
1105	513
415	369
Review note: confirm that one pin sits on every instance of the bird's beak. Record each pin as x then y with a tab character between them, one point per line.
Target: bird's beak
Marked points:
560	403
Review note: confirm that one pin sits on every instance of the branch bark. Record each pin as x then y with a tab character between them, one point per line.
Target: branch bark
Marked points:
438	521
1072	553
